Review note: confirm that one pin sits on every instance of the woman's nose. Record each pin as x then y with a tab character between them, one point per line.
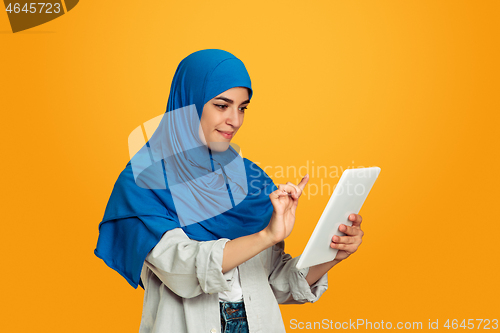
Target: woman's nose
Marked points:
234	117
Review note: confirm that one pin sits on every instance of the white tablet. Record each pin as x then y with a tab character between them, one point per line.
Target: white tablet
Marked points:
347	198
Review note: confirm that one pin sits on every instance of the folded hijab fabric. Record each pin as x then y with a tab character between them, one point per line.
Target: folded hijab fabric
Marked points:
175	181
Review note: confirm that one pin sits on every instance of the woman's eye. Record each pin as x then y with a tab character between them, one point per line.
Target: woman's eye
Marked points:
224	106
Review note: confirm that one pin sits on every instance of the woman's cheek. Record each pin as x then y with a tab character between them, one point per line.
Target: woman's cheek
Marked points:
202	135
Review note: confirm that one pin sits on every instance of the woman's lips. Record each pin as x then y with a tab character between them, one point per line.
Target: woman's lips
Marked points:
227	135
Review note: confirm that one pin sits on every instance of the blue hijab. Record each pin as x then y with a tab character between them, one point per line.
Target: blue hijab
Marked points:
175	181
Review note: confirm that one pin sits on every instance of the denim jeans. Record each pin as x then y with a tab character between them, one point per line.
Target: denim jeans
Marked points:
233	317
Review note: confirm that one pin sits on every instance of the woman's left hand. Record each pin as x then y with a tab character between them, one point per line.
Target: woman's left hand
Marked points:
348	244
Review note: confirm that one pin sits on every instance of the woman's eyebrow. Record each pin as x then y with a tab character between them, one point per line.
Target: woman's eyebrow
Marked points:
230	101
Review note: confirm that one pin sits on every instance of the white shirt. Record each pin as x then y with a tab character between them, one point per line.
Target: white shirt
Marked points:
233	281
183	279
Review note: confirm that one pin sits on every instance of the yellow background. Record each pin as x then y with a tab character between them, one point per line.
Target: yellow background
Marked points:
409	86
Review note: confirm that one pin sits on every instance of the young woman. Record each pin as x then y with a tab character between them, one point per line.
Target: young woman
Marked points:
202	229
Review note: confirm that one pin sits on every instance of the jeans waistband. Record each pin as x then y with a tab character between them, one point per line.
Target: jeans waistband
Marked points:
232	310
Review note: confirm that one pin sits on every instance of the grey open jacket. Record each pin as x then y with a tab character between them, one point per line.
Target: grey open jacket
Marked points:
182	279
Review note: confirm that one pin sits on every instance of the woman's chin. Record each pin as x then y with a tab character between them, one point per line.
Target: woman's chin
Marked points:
219	146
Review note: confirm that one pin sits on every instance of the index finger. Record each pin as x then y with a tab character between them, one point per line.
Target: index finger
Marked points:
303	182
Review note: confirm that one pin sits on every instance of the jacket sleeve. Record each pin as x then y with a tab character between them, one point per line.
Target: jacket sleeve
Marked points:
288	283
188	267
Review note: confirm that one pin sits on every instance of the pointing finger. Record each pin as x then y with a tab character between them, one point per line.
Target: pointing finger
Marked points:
304	181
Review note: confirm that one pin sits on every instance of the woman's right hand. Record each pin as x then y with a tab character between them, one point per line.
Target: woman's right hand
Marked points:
285	200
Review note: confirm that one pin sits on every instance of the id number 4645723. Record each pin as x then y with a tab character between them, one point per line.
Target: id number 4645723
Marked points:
34	8
471	324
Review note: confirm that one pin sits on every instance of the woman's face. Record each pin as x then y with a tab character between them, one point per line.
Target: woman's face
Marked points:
222	117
